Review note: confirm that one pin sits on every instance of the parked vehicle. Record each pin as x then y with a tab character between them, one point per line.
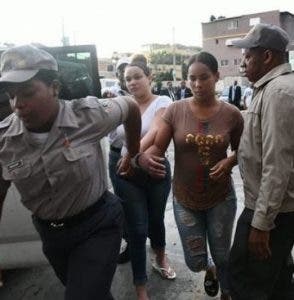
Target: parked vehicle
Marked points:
224	95
109	85
19	242
78	69
108	82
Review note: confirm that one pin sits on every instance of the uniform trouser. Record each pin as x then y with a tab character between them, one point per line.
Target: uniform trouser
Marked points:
113	158
84	253
214	225
270	279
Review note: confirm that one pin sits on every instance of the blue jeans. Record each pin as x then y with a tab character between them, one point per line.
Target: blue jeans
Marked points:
113	158
215	225
144	203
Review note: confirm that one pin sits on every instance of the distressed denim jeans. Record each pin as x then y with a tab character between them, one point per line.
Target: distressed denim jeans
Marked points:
213	225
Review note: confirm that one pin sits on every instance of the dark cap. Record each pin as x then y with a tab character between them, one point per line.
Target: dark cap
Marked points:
22	63
266	36
123	61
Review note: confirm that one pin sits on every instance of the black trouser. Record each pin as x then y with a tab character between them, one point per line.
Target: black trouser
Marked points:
253	279
83	251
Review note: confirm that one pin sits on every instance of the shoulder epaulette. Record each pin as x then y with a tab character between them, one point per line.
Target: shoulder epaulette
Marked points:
88	102
6	122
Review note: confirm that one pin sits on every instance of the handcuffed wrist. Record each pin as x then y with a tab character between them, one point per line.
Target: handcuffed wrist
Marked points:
135	160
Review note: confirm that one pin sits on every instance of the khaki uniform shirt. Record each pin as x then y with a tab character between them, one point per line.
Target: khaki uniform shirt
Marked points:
67	173
266	151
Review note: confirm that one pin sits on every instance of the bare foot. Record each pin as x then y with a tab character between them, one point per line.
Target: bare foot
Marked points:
211	272
162	261
141	292
163	264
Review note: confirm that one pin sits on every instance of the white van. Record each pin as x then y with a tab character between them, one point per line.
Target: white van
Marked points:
108	82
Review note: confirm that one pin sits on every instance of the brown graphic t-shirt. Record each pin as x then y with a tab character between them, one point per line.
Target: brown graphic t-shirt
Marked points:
199	145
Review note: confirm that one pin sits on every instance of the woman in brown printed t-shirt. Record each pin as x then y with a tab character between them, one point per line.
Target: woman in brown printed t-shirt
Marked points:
202	128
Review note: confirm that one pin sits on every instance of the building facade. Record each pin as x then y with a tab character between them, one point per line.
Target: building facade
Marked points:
217	36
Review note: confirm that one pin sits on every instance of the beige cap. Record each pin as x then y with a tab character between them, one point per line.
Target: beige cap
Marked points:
266	36
21	63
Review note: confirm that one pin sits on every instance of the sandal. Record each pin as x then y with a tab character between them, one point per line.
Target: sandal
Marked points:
211	285
166	273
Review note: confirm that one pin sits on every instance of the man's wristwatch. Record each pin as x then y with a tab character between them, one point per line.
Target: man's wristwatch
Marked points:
135	160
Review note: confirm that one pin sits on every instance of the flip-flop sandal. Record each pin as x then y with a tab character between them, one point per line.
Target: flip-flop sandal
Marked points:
211	285
168	273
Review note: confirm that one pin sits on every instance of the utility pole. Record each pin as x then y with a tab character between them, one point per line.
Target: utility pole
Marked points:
174	56
64	39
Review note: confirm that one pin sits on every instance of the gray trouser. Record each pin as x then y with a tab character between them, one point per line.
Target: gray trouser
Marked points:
253	279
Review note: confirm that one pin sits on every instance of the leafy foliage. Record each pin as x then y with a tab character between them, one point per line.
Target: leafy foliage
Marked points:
166	58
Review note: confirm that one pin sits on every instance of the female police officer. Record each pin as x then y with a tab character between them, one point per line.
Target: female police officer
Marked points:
50	149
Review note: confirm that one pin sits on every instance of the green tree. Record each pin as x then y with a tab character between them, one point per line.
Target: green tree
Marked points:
212	18
163	76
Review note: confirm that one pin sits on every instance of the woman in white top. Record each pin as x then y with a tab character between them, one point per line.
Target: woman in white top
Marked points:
144	198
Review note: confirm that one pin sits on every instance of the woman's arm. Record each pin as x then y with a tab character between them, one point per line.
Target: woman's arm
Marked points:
149	138
152	159
224	166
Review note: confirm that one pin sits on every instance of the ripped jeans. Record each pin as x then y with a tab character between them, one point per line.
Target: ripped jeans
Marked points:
215	225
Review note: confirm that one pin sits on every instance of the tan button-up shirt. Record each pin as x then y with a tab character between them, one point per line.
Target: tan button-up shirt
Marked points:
67	173
266	151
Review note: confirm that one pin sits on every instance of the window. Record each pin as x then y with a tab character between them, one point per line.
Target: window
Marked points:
237	61
110	68
233	24
254	21
224	62
78	70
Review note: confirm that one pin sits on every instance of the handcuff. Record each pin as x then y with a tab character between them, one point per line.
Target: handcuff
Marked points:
135	160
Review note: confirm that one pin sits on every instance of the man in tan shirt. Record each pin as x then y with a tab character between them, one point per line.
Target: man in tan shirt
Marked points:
50	149
259	262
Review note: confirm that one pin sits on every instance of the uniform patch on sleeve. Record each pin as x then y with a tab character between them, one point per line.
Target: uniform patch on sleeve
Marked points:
107	104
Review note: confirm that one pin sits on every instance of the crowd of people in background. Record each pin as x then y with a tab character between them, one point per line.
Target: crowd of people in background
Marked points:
175	93
53	146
